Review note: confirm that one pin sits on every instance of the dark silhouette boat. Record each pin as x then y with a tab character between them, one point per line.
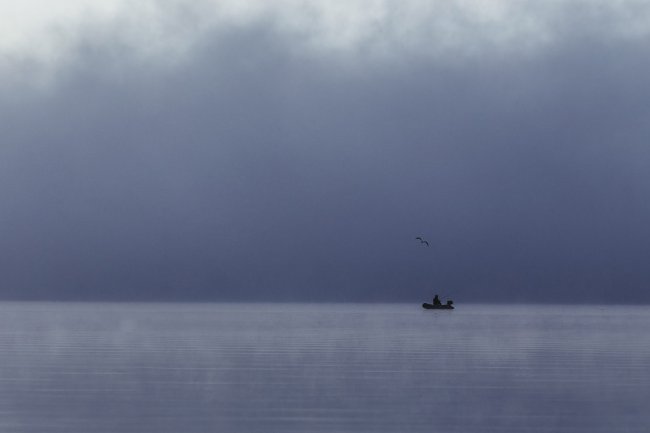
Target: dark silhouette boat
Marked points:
448	306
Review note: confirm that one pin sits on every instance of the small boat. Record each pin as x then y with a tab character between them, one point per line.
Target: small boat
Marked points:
447	306
428	306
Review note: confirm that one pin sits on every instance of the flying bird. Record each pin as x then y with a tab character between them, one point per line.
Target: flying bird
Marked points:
422	241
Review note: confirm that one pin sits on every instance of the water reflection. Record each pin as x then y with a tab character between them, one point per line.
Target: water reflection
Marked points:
317	368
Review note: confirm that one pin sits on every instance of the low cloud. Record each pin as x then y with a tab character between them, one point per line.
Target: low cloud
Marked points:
241	150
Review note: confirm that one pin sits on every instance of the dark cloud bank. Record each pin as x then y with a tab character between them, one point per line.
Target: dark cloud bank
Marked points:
254	172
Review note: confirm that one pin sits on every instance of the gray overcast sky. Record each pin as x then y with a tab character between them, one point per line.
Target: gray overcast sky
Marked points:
293	150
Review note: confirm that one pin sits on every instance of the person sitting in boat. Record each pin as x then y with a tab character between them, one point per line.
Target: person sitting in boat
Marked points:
436	300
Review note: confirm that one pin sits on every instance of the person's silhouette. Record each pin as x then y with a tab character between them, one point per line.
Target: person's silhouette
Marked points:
436	300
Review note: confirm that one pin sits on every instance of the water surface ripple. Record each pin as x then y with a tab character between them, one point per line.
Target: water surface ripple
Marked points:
186	368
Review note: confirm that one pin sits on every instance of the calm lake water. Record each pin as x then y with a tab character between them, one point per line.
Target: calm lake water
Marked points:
84	368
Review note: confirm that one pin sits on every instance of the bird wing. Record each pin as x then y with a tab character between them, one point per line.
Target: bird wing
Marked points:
425	242
419	238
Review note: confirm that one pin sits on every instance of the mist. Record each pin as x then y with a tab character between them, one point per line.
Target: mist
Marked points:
264	160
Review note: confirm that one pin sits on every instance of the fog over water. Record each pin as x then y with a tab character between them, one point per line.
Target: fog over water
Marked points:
138	367
240	150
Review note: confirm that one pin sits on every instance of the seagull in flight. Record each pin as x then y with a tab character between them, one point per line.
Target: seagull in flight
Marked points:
422	241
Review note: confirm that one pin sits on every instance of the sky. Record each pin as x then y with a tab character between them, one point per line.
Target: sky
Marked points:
293	150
